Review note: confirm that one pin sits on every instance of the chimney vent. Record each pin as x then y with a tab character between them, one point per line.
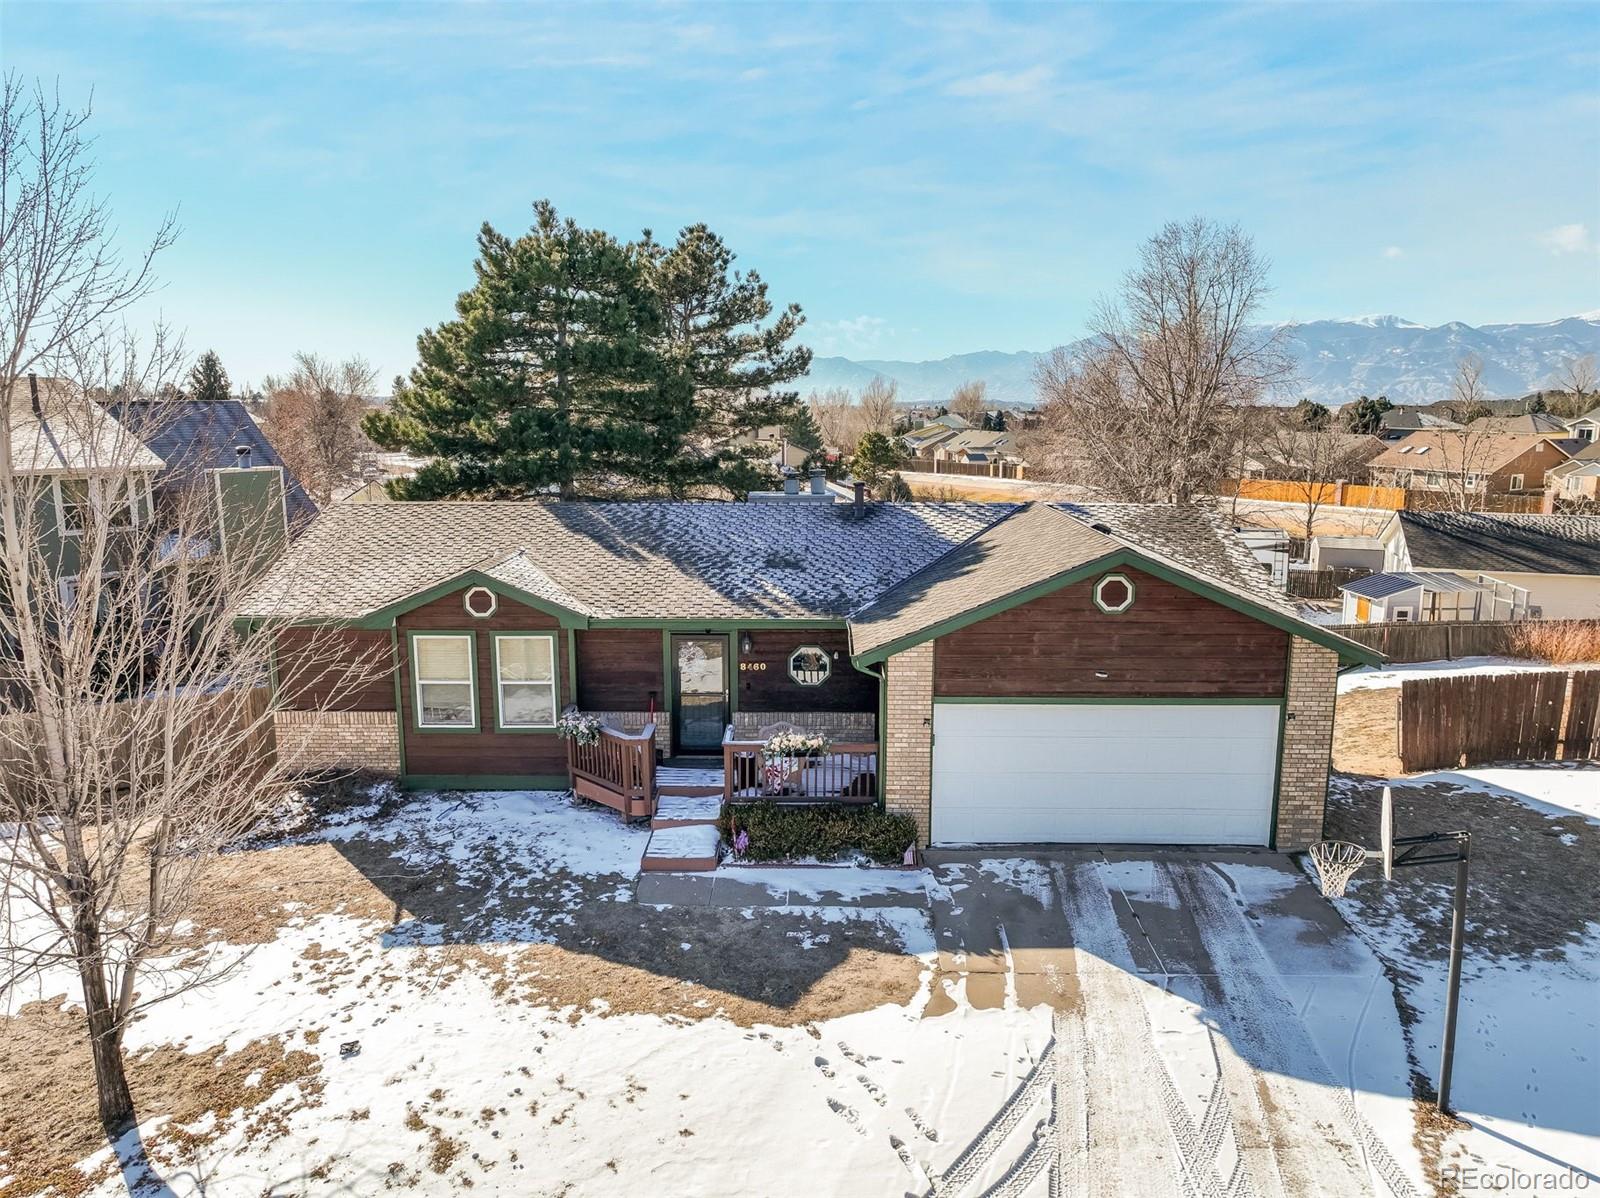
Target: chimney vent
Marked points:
33	393
241	456
819	481
861	500
791	481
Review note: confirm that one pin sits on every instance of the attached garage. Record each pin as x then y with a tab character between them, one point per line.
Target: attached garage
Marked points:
1134	773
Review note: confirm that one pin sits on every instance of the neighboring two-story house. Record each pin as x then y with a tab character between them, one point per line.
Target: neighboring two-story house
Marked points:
1482	462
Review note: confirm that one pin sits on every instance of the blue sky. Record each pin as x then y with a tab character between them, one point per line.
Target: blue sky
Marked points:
923	180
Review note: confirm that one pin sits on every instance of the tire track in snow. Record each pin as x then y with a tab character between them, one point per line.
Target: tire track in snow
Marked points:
1310	1120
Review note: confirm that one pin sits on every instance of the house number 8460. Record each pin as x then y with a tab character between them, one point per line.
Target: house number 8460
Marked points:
752	665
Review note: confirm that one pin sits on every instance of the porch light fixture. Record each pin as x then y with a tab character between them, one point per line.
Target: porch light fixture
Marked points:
1113	594
745	644
480	602
809	665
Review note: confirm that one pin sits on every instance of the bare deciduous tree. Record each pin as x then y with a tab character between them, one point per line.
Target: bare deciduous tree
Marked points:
876	407
1310	460
834	412
970	401
1579	377
1154	405
1467	463
130	709
315	419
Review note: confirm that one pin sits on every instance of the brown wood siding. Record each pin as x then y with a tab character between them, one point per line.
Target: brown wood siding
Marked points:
1171	644
768	687
485	751
618	668
334	670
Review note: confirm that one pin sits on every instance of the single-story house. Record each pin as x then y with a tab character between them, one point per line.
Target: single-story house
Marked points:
1539	424
1399	423
1554	559
1000	672
974	445
1480	462
1413	596
1346	553
921	442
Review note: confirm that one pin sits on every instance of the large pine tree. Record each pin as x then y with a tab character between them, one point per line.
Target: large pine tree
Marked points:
208	380
552	377
738	366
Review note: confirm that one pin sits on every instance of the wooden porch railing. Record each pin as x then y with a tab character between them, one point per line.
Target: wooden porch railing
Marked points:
618	770
847	772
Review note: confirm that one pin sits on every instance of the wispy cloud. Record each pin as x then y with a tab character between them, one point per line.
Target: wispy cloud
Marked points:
1003	85
1568	239
1392	252
855	334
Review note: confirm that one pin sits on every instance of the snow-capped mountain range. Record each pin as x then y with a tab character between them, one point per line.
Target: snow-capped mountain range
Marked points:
1337	359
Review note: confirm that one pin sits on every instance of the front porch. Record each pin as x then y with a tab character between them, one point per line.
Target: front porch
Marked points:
683	797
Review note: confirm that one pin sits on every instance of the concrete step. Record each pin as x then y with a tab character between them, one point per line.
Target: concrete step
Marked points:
690	847
678	811
690	781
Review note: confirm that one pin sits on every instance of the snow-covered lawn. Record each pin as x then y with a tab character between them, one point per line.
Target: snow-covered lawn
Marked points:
1377	677
1528	1046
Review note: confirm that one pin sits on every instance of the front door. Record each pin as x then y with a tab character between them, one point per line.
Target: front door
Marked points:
700	693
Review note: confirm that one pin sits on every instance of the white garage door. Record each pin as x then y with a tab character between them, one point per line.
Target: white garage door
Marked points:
1138	773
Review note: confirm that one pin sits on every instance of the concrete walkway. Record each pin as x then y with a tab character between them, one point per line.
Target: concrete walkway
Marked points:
786	886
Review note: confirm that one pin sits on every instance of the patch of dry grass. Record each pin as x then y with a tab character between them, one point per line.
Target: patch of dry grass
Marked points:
1561	642
48	1121
1366	732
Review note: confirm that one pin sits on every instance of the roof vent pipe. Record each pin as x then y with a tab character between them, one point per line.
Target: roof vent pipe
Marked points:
33	393
861	500
241	456
791	481
819	481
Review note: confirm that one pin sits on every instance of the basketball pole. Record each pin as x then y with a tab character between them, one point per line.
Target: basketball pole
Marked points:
1458	931
1418	851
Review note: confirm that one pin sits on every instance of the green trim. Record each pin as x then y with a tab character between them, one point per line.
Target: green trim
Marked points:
1120	700
555	665
486	782
733	673
384	616
883	740
399	696
416	701
1283	733
667	689
724	625
1347	650
984	610
572	666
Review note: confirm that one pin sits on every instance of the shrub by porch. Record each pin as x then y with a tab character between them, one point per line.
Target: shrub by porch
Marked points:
819	831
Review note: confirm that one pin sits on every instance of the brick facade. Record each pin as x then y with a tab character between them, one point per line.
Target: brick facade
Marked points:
1307	744
314	740
908	737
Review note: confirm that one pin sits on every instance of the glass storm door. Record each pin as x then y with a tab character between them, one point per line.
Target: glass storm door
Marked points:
700	699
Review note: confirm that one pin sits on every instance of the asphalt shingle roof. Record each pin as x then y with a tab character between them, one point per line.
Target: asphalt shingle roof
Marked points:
194	435
69	433
618	560
1493	541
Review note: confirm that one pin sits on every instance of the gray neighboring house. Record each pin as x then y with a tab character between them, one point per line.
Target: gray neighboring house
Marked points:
196	438
1400	423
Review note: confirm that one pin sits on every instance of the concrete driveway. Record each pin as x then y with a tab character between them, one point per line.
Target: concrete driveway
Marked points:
1217	1029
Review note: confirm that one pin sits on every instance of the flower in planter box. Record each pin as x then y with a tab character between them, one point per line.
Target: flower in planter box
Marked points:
578	727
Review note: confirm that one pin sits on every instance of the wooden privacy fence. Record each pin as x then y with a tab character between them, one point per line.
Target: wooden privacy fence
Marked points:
233	713
994	469
1323	584
1389	499
1446	723
1447	638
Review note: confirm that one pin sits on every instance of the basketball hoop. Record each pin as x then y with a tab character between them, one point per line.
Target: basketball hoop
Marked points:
1336	862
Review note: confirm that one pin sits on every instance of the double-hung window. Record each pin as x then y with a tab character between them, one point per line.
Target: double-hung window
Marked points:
525	679
74	506
445	680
